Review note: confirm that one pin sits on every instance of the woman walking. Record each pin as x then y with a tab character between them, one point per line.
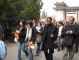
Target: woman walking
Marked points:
30	39
21	40
39	30
60	39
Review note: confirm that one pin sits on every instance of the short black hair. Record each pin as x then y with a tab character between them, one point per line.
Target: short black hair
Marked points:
49	18
30	23
60	22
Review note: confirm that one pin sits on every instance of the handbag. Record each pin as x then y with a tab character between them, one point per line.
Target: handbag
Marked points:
68	41
56	41
38	39
31	46
55	44
16	35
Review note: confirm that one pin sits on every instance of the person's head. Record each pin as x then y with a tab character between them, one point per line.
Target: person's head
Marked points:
38	24
29	24
54	21
49	20
60	23
71	20
65	22
33	20
22	23
45	22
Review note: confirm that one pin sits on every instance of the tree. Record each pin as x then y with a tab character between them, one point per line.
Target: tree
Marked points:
11	11
32	9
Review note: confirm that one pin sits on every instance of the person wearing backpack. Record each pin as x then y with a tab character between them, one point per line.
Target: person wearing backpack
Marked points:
3	50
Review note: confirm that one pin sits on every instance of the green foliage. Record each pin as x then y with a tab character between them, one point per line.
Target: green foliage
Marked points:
1	2
32	9
11	11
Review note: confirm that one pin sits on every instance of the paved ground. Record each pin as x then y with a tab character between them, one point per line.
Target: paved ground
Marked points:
13	50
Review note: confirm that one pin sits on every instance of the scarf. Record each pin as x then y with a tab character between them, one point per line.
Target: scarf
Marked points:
28	34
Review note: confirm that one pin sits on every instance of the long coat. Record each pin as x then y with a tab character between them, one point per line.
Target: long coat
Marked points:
22	34
48	41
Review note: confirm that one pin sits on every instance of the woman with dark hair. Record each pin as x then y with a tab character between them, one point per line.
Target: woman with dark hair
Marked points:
49	35
39	30
60	39
33	22
21	40
30	39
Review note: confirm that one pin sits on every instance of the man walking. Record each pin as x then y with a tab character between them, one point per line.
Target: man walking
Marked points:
70	33
49	36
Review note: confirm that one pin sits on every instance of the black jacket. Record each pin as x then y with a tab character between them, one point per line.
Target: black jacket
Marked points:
22	34
77	41
75	30
33	39
48	41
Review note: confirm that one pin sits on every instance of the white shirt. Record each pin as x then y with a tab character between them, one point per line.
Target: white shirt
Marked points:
38	28
28	33
59	31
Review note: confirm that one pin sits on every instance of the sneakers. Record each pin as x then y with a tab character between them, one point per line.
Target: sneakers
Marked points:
36	54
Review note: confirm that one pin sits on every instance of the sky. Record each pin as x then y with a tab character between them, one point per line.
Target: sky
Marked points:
48	5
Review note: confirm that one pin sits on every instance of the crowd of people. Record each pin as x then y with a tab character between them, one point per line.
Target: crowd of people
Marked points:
46	35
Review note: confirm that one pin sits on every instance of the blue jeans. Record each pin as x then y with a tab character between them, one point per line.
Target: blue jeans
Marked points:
60	42
38	48
30	54
21	45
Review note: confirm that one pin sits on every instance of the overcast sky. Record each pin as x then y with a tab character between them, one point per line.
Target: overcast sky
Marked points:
49	5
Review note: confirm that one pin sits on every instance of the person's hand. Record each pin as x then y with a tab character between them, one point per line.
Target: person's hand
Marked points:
59	35
29	43
51	35
67	32
71	32
17	31
30	48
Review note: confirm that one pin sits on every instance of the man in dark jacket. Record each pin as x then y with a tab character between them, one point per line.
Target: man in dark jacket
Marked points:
70	33
49	36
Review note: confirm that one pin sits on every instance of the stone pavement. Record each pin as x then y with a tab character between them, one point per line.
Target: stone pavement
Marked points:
13	54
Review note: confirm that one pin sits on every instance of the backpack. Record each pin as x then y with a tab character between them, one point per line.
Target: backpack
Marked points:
3	50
